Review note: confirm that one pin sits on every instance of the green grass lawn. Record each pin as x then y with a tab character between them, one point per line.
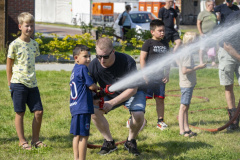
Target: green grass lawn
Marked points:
153	143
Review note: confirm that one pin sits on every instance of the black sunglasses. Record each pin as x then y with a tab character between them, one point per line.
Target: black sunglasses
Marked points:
104	57
229	1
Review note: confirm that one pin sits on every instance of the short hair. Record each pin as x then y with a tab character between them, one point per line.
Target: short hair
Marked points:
104	44
25	17
127	7
79	48
189	37
156	23
207	1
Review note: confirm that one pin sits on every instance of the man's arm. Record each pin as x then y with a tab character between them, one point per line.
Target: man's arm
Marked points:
199	27
9	70
125	95
231	51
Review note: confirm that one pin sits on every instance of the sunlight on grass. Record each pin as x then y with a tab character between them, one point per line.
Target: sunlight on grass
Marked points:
153	143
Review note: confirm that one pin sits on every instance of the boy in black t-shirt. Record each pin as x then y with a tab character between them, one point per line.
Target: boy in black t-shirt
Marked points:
167	14
153	49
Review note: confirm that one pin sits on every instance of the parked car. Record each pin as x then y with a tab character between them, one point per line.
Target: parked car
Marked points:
138	19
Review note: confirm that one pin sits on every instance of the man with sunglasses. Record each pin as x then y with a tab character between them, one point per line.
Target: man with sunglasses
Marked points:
107	68
226	9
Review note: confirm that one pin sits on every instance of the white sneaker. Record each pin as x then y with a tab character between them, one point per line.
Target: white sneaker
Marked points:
162	125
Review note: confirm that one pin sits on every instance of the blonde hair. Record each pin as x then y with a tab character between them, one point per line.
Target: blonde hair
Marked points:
104	44
25	17
189	37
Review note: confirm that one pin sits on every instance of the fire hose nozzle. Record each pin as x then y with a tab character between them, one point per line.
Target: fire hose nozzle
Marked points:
106	90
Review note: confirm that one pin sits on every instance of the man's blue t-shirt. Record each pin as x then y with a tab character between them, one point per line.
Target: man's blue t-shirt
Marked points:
81	101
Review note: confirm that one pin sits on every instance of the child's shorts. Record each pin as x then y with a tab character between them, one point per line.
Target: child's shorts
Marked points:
22	95
186	95
156	90
80	124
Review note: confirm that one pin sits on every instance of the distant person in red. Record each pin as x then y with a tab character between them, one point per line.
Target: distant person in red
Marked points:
167	14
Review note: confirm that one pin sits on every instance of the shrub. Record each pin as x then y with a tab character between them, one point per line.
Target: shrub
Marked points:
3	55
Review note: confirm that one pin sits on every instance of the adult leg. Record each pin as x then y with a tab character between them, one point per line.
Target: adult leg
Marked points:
83	147
229	94
36	125
135	124
102	124
75	147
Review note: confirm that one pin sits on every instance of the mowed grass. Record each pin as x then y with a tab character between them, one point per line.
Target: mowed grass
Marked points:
153	143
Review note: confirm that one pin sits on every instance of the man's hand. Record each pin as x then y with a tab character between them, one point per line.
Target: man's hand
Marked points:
107	106
165	79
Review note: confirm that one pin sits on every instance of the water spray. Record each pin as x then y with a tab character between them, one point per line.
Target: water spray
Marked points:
135	78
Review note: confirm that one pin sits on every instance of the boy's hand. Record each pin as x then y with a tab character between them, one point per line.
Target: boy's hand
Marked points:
201	66
107	106
165	79
96	102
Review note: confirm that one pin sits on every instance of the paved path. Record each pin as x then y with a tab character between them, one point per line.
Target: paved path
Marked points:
60	31
52	66
49	67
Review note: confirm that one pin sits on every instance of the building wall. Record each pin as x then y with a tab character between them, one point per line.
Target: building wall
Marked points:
13	9
2	23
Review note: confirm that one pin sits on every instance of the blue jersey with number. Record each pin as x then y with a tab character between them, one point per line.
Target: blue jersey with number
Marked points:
81	101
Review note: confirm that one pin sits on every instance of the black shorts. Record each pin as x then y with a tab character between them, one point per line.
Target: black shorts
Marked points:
171	36
22	95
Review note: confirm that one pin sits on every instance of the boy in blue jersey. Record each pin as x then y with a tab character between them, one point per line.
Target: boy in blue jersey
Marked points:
81	100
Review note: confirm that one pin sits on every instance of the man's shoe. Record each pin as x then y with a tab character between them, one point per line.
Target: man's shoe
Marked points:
107	147
131	146
162	125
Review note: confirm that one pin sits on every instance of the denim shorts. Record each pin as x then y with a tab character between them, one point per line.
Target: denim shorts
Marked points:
22	95
186	95
134	104
157	90
80	124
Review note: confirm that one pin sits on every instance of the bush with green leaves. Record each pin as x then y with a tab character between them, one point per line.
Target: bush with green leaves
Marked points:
60	48
3	55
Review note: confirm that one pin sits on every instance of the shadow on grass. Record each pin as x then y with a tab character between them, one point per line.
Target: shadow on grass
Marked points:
171	149
208	123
